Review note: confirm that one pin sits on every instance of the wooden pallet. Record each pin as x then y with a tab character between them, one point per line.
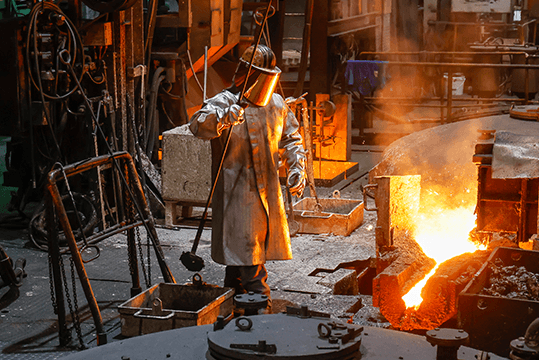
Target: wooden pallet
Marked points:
176	210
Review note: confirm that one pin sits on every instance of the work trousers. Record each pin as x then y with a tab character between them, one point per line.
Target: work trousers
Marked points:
248	278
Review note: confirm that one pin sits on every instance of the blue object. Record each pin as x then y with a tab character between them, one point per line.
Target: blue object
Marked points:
365	76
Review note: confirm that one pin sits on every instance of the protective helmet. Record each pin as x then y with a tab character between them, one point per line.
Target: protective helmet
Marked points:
264	75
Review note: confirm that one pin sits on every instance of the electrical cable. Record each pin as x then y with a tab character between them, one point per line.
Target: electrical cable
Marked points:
152	18
191	63
74	36
45	109
152	106
169	119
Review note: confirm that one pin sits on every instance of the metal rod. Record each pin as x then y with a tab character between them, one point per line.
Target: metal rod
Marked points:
309	150
523	213
470	65
205	72
454	23
133	263
304	48
77	259
392	99
449	95
149	224
389	53
112	230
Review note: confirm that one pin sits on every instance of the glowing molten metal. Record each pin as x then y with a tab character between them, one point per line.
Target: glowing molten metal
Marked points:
442	235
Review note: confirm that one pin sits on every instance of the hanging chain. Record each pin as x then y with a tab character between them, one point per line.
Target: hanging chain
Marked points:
70	305
130	213
148	258
145	270
141	253
51	284
76	321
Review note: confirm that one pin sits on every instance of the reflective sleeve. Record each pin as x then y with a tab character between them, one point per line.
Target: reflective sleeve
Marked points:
293	154
209	122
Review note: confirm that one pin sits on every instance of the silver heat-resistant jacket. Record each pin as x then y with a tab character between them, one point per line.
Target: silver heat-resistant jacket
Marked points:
249	223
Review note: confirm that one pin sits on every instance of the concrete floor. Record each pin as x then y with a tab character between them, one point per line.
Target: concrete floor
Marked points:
29	325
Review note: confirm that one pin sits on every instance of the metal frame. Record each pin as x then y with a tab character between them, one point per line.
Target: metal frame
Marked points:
55	201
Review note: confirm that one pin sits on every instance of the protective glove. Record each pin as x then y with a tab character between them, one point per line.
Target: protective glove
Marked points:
296	182
233	116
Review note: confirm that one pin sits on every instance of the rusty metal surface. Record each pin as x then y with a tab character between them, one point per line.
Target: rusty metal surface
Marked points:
515	156
494	321
191	343
506	204
400	262
305	337
170	306
397	205
337	216
440	293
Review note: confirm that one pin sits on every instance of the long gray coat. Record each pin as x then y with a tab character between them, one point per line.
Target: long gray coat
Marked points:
249	223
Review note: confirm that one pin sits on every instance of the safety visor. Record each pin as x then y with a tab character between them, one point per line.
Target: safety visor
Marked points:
261	85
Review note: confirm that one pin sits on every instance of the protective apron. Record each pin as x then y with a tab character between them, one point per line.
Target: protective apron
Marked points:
249	223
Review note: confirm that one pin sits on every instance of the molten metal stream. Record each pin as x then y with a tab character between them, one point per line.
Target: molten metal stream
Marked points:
442	234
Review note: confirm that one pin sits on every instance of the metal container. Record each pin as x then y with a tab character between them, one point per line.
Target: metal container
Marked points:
170	306
493	321
337	216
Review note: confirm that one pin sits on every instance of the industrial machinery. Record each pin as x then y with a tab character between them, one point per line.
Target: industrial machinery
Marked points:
11	275
296	334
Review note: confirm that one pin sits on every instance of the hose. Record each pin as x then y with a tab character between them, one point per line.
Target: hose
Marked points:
152	115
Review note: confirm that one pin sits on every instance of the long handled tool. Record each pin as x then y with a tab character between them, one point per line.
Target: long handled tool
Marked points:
189	259
309	150
293	225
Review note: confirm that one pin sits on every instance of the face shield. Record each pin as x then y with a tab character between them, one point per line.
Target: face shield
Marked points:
261	83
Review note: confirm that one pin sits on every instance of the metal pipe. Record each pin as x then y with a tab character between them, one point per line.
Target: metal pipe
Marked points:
149	224
465	65
454	23
523	211
205	72
112	230
392	99
143	212
304	48
389	53
449	95
77	259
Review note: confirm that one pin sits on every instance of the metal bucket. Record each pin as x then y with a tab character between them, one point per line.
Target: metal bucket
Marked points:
337	216
170	306
493	321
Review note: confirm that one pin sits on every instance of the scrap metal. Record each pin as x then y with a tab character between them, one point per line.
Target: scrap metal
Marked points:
493	321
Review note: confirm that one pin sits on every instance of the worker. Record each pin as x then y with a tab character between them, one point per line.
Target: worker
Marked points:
249	225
